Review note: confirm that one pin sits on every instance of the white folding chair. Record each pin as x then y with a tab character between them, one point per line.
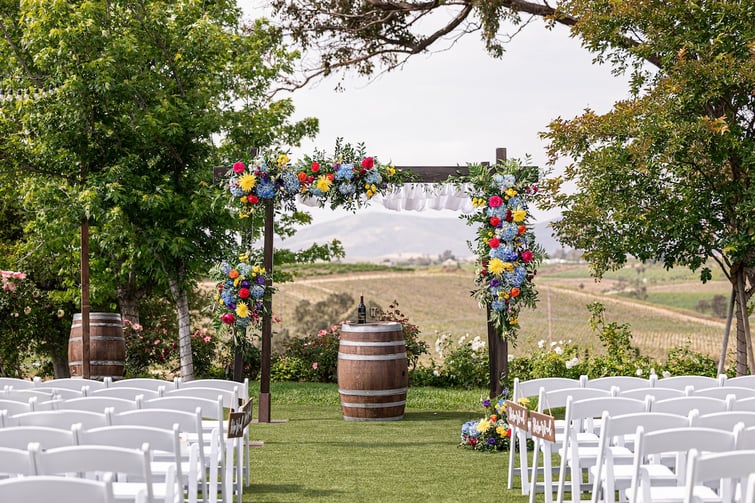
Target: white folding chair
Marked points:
91	461
63	393
15	462
19	437
199	463
525	389
128	393
749	496
723	420
623	383
162	442
678	441
14	407
722	392
15	383
74	383
655	393
728	471
744	381
58	418
97	404
57	489
608	476
579	418
684	405
23	395
144	383
681	382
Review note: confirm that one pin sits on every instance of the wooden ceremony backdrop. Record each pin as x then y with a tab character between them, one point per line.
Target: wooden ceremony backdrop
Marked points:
497	346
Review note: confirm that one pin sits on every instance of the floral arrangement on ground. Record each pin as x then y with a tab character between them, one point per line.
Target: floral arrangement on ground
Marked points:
491	432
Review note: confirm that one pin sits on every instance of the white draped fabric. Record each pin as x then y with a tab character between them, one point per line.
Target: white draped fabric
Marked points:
419	197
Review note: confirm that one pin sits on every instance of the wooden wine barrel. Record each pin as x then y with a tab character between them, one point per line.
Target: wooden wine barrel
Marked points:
373	371
107	346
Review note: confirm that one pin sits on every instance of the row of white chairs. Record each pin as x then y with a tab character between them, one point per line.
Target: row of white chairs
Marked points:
60	489
662	399
45	395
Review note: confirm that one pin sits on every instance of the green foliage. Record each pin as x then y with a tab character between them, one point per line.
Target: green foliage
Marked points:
462	363
415	347
314	357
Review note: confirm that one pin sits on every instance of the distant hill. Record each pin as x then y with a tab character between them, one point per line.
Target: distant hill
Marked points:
378	236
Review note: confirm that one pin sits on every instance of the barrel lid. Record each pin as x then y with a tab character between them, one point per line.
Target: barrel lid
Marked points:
377	326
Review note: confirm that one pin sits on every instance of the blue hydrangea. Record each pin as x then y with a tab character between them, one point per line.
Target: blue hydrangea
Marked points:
225	268
499	212
233	186
243	268
499	253
314	191
514	203
291	182
257	292
515	277
508	254
345	172
373	177
346	189
498	305
509	231
469	429
266	190
508	181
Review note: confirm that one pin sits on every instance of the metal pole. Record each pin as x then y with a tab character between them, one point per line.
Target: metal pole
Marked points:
727	330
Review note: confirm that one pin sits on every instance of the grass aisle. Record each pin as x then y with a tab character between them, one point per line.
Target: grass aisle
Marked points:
317	456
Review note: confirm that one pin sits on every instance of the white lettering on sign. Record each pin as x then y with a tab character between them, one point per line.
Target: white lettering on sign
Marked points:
238	421
543	426
517	415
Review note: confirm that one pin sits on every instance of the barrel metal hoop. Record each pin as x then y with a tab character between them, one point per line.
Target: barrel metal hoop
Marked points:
373	405
393	356
372	392
372	344
394	418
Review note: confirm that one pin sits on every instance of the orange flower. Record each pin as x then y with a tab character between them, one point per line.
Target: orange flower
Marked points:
522	229
515	292
233	274
302	176
493	418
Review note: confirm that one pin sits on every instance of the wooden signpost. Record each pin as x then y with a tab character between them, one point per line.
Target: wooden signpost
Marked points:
238	421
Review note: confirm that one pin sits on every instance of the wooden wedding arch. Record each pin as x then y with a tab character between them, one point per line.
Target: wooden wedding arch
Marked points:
497	345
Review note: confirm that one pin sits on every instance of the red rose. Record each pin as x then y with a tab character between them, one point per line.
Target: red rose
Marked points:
509	217
238	167
244	293
252	199
527	256
368	162
495	221
315	167
228	318
494	242
331	177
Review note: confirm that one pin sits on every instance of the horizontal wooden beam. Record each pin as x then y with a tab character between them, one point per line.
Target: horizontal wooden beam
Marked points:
432	174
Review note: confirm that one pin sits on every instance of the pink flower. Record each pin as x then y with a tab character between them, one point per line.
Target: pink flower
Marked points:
527	256
238	167
206	339
314	365
368	162
322	333
228	318
495	201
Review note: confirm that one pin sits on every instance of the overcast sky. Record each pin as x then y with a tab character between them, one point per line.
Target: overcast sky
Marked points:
457	106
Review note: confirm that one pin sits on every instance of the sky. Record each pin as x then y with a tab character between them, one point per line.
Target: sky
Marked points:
457	106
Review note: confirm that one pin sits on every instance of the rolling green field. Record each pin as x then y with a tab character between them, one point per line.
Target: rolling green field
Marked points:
438	301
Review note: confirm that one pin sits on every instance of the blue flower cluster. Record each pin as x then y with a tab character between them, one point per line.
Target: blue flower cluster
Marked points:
345	172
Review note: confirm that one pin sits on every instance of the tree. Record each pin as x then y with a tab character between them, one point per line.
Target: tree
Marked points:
139	94
666	175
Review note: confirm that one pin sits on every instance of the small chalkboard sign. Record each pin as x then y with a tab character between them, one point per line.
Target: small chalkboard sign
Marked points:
517	415
543	426
238	421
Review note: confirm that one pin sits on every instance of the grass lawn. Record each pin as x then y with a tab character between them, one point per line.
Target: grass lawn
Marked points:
317	456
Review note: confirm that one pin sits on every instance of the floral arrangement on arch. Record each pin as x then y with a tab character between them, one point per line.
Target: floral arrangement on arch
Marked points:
507	255
347	180
240	292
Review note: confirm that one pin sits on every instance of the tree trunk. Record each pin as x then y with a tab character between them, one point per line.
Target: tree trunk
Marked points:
128	299
60	366
745	360
181	299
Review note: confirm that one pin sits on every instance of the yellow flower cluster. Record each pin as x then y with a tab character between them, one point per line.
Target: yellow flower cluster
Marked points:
371	189
479	202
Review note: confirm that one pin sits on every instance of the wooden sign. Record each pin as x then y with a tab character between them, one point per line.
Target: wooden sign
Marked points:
238	421
543	426
516	415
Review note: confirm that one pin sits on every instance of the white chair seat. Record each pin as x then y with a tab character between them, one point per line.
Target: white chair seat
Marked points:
675	494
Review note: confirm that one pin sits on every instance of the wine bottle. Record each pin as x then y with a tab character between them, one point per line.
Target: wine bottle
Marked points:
361	311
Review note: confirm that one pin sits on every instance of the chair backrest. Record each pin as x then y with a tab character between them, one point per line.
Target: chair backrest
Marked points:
145	383
739	392
222	384
23	395
624	383
744	404
13	407
746	438
16	383
723	420
558	397
64	393
19	437
211	409
74	383
58	489
231	397
97	404
655	393
681	382
59	418
532	387
127	392
677	441
744	381
684	405
97	459
729	469
14	462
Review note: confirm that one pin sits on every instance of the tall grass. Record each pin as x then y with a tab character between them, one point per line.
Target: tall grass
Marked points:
314	455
